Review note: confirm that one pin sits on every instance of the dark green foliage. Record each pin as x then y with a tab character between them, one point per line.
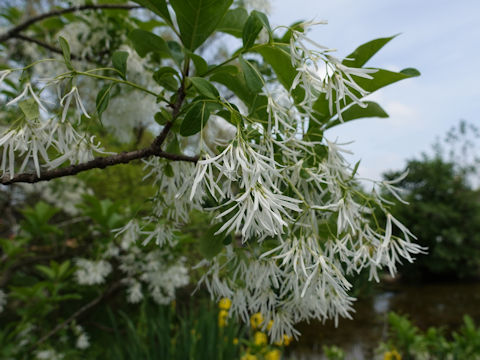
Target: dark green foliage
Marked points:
444	213
119	60
198	19
413	344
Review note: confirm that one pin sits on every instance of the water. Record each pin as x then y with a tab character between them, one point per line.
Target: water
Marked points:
427	305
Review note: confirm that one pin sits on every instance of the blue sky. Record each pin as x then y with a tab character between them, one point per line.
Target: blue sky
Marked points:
440	38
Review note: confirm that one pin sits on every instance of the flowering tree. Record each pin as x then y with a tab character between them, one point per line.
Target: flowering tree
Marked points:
238	137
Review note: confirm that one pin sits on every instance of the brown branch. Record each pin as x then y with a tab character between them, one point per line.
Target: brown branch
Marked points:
159	140
58	50
97	163
19	28
47	46
78	313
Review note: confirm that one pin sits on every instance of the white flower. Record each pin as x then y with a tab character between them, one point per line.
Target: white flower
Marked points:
134	292
303	276
83	341
74	146
48	355
67	98
28	89
164	279
3	300
258	212
250	183
3	75
28	141
128	234
337	82
33	140
92	272
172	179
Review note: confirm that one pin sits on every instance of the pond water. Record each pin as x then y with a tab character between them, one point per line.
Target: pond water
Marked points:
427	305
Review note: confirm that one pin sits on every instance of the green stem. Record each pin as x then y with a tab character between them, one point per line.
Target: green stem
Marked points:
221	64
119	81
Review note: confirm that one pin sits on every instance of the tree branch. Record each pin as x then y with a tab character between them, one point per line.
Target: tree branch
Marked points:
13	32
55	49
78	313
157	143
45	45
97	163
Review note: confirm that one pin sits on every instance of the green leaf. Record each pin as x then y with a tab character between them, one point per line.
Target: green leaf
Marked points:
176	51
357	112
264	20
29	108
253	78
364	52
210	244
201	65
145	42
412	72
297	26
162	117
233	22
66	52
173	146
278	57
355	169
205	87
168	170
103	98
63	268
198	19
235	82
167	77
380	79
195	119
53	24
119	60
383	78
48	272
258	107
159	7
250	32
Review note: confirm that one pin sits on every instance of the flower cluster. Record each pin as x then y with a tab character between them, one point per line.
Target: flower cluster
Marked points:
250	181
302	273
92	272
33	139
336	81
154	272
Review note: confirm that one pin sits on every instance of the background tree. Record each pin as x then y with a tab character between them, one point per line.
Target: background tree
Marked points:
444	207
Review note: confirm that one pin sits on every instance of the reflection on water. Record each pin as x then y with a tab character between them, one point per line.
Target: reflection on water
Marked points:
427	305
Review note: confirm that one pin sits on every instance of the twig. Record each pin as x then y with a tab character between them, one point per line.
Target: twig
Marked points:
159	140
13	32
77	313
97	163
49	47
